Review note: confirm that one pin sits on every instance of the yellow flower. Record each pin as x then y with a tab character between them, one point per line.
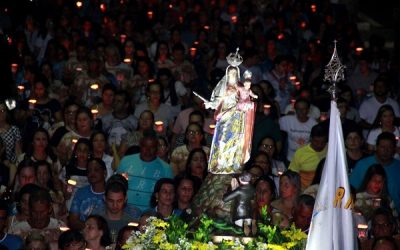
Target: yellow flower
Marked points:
160	223
196	245
275	247
158	237
167	246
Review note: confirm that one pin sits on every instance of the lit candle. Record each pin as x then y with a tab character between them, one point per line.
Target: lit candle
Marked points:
122	38
297	85
362	231
94	112
159	126
359	50
32	103
313	8
120	76
127	61
14	68
234	19
103	7
21	89
293	102
133	224
292	78
180	19
71	184
63	229
267	109
170	6
150	14
151	80
79	4
303	25
376	202
193	52
281	36
94	86
206	27
125	175
212	128
79	69
74	140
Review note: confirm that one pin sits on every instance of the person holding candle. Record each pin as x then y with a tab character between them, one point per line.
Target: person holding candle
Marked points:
100	150
76	169
373	193
83	129
162	112
146	122
44	112
40	218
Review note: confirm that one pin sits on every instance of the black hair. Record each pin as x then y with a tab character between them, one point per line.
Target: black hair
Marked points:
203	141
189	159
374	169
306	200
318	130
68	237
386	136
105	239
41	195
157	188
116	184
271	183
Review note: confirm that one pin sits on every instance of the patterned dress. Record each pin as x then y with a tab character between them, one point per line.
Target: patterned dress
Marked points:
10	138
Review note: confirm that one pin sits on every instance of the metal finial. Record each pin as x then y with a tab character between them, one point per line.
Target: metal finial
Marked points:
334	71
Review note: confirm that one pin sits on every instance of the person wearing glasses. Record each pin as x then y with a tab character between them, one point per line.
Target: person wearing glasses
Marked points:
194	138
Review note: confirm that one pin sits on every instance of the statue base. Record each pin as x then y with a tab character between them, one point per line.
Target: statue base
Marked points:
208	199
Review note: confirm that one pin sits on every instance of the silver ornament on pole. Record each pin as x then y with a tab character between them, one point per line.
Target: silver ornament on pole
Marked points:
334	72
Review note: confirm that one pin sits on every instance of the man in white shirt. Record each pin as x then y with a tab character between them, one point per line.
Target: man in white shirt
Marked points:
298	126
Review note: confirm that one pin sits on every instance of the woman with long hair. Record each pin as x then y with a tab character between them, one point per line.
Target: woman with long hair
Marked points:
196	164
96	233
373	192
384	122
100	150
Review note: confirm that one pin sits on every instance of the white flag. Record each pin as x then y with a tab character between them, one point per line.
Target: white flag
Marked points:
332	222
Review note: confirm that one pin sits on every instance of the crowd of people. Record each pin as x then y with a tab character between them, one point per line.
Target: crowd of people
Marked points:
105	119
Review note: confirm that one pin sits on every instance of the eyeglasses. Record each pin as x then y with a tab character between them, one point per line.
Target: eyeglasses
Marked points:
193	132
266	146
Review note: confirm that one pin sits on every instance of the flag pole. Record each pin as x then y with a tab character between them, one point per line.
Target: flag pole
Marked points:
332	225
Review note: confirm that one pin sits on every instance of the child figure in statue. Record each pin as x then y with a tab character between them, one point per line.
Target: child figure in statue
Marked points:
242	197
231	144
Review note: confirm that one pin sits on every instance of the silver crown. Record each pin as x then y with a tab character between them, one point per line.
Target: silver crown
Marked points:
247	74
234	59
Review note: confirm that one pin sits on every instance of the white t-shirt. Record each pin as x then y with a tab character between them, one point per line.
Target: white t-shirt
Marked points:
369	108
373	135
298	132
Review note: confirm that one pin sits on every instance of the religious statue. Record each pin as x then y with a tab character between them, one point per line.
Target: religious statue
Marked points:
231	144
